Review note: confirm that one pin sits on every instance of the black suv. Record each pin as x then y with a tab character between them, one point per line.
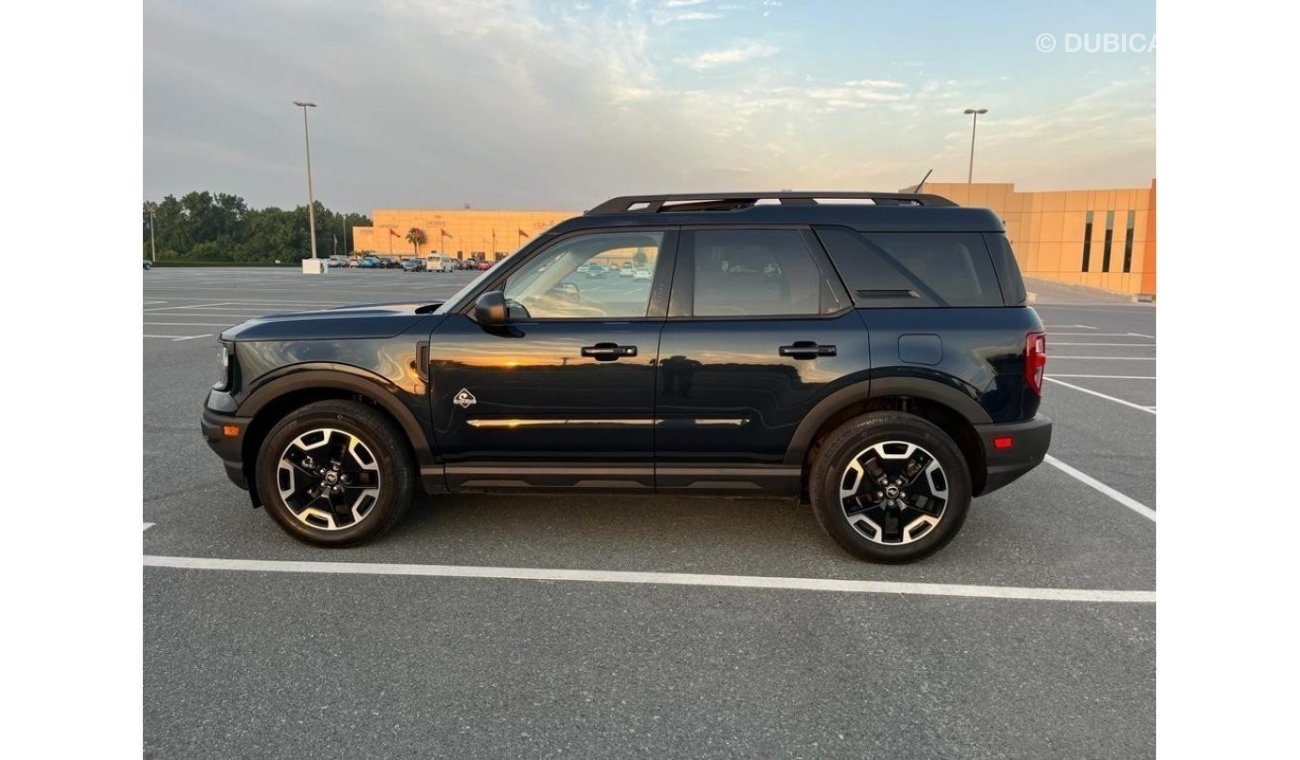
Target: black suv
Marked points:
871	352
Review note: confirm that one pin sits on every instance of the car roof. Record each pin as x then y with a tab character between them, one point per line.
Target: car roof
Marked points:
866	211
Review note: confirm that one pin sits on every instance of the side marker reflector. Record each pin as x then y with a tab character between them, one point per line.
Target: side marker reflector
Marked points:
230	431
1002	442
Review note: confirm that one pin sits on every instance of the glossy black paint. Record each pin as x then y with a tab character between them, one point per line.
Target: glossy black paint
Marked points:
726	395
538	399
378	320
981	354
705	404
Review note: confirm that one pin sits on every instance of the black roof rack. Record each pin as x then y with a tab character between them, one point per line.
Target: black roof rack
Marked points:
652	204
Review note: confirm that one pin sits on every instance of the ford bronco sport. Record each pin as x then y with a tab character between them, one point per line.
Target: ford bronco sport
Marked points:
871	352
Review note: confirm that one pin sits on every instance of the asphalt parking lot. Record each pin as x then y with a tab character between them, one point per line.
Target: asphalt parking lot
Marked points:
461	633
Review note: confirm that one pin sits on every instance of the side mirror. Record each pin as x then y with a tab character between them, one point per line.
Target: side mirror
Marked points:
490	309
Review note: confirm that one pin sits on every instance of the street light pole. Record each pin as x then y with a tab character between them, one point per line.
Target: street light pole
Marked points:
974	114
311	199
153	248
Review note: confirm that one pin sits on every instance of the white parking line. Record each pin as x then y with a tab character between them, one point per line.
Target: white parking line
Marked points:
1109	377
653	578
1141	345
1092	482
237	314
1052	327
1139	407
178	338
191	306
257	302
1099	335
188	324
147	526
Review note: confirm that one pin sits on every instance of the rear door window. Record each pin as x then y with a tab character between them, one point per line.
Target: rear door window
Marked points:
913	269
754	273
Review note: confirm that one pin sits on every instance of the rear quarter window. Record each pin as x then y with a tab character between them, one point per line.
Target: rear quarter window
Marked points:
1013	285
913	269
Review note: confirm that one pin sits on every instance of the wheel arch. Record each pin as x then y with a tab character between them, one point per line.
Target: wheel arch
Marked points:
946	407
298	386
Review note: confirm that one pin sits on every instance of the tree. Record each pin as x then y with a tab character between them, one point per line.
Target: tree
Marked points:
222	227
639	258
416	237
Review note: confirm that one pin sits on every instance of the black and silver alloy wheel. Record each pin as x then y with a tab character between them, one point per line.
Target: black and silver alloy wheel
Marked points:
890	486
329	479
893	492
335	473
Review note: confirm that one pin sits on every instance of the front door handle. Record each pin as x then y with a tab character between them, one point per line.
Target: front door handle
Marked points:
806	349
608	352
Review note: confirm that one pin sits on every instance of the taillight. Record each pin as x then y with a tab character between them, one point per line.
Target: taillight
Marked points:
1035	360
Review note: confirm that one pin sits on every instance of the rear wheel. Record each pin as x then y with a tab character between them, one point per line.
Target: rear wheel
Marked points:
335	473
890	487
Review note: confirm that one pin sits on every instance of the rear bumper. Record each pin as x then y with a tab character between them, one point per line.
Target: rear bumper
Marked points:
1029	443
217	429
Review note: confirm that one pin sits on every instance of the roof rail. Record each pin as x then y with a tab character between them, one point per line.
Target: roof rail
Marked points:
652	204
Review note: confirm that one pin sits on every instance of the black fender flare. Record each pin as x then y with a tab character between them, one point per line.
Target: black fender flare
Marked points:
864	390
344	377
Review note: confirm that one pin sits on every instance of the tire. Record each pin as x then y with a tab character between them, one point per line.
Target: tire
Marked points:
911	520
368	471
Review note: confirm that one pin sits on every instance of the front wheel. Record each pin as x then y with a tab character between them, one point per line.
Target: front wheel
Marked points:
335	473
890	487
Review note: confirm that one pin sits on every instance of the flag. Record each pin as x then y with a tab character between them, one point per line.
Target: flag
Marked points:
393	232
445	233
522	233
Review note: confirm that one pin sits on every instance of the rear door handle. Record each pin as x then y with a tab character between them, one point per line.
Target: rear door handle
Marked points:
608	352
806	349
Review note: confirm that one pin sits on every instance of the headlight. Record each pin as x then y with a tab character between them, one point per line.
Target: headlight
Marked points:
223	358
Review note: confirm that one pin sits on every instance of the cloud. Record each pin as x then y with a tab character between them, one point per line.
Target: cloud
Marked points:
739	54
693	16
861	93
514	103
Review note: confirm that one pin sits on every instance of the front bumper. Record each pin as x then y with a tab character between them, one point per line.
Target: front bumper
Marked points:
1029	443
225	435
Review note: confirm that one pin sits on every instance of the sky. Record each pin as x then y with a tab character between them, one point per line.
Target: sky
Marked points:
514	104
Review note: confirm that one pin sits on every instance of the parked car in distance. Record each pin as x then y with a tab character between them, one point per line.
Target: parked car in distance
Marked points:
876	358
412	265
641	274
484	265
353	262
626	270
369	262
439	263
596	270
148	265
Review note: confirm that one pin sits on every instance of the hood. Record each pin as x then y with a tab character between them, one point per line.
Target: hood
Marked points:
372	320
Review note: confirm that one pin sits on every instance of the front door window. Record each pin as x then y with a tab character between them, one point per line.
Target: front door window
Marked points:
601	276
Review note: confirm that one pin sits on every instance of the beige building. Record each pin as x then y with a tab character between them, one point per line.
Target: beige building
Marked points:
1098	238
461	233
